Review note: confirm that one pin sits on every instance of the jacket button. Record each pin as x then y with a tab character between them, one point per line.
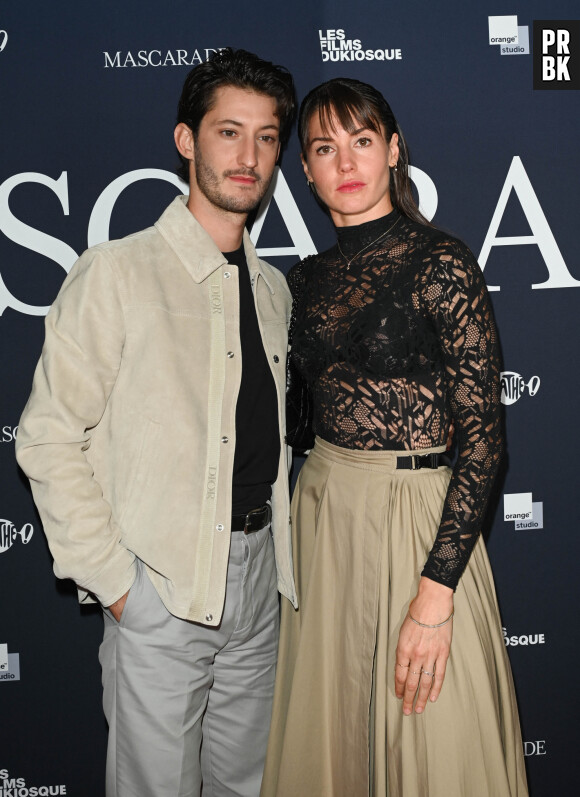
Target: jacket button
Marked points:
224	439
220	527
230	354
227	275
209	617
276	358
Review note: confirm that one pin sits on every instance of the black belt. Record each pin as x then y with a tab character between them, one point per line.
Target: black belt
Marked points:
418	461
254	520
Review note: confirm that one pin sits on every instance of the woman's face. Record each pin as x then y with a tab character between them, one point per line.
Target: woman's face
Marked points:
350	171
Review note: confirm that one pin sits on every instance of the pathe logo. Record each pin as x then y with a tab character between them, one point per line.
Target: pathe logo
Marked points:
9	533
3	39
513	39
557	54
143	58
513	386
526	514
523	639
9	664
334	46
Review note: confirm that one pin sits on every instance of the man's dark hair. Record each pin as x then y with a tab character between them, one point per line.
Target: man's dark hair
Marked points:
240	69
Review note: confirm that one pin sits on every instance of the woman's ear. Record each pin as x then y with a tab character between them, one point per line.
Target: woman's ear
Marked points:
394	150
306	169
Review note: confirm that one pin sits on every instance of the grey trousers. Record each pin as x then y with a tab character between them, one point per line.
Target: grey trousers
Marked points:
189	706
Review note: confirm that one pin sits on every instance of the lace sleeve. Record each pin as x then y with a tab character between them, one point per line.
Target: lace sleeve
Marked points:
458	304
299	410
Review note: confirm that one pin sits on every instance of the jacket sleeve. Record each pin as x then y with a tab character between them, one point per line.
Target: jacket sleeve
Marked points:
72	383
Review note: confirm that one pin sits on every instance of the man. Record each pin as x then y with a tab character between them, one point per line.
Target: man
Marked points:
153	442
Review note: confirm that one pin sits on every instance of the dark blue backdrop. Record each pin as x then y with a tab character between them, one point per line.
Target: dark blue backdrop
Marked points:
88	96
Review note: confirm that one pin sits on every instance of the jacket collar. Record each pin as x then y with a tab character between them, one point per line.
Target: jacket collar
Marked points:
195	248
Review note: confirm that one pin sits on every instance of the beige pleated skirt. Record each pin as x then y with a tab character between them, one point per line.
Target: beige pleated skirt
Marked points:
362	531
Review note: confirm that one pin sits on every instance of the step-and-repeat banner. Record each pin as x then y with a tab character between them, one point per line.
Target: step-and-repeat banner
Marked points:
487	95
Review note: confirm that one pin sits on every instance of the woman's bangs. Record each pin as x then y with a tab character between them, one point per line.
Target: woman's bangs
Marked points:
350	113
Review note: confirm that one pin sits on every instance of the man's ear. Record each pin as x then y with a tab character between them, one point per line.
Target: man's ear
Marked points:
184	140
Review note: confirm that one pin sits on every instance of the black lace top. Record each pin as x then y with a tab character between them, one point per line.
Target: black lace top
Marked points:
395	348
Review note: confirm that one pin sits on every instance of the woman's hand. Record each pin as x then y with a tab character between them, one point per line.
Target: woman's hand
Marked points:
422	653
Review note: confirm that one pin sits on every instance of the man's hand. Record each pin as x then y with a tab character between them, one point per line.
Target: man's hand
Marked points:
116	608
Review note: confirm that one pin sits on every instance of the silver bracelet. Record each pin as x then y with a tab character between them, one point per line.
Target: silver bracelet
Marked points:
425	625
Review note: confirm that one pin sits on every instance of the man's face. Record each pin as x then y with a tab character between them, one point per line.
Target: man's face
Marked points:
235	150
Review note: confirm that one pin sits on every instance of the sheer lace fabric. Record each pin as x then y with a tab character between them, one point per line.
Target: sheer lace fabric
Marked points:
396	347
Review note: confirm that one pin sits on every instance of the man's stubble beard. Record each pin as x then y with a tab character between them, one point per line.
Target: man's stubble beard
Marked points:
208	183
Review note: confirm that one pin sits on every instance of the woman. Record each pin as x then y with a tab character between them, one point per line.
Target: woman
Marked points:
393	345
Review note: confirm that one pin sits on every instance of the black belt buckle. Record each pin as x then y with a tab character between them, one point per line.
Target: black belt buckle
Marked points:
419	461
256	519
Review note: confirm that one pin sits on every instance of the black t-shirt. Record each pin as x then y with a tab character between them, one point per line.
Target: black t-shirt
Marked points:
257	432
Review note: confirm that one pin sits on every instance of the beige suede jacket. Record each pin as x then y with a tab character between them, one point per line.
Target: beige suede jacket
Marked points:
128	437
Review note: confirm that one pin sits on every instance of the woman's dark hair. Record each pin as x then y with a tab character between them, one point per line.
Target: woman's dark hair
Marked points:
241	69
354	105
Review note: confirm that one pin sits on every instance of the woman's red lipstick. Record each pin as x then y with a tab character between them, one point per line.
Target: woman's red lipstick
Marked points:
352	185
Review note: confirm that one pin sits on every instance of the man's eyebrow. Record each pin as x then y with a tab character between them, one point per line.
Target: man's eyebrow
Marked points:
235	123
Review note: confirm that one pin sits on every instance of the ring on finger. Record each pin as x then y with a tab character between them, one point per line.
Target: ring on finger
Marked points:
430	674
416	672
404	666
